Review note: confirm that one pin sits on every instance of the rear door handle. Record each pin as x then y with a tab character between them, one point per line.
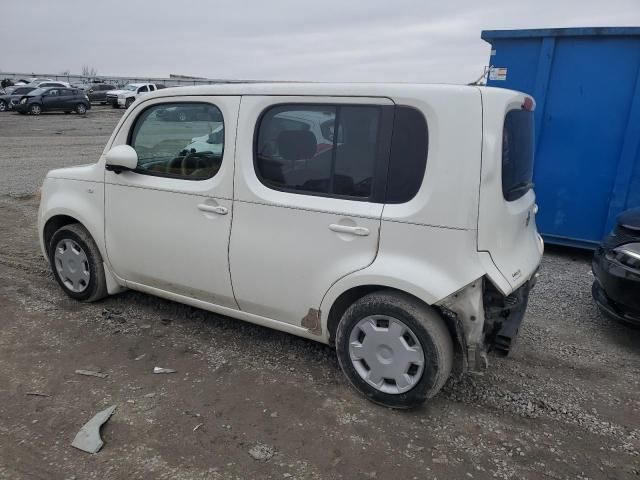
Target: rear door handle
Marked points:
213	209
360	231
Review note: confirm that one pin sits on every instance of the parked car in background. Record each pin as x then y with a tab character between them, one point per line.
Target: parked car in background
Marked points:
7	102
97	92
128	94
408	242
49	83
186	113
53	99
616	267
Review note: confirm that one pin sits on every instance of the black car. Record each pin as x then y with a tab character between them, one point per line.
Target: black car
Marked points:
616	266
7	102
51	99
98	92
189	113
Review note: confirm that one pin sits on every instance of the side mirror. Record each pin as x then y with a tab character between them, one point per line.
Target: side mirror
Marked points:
121	158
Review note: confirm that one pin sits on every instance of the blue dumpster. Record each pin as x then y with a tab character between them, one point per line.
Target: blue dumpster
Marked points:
586	83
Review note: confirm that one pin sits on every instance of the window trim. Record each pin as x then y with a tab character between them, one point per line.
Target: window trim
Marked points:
172	175
381	161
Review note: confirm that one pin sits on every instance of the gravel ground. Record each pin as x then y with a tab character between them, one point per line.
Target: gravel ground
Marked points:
565	404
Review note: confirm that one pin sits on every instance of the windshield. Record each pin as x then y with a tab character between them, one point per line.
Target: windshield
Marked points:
517	154
132	88
38	91
22	90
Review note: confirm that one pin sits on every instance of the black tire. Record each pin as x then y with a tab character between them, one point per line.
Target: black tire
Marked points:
81	109
115	105
97	286
35	109
428	327
67	112
3	106
128	102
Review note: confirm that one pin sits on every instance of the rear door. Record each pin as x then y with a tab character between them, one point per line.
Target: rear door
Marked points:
506	220
308	199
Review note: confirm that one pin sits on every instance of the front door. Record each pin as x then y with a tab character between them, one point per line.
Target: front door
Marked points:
307	202
167	223
51	99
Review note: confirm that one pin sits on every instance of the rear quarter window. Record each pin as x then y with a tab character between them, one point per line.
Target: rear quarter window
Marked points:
517	154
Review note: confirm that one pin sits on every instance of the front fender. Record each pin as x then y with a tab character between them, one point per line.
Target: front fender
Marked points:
82	200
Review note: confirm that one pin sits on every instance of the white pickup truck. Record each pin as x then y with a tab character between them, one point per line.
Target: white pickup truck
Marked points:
127	95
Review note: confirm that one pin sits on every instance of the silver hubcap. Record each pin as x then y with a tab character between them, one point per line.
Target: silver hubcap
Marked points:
35	109
72	265
2	107
81	109
386	354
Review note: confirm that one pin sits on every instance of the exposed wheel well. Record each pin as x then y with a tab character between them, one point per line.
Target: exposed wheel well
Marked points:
53	224
347	298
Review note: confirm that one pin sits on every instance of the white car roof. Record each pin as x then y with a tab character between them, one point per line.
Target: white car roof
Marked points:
309	89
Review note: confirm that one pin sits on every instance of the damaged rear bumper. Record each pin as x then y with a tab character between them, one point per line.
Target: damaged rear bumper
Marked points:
485	320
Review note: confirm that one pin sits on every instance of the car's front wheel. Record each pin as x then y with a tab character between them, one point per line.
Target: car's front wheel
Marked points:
3	106
77	263
128	102
394	349
35	109
81	109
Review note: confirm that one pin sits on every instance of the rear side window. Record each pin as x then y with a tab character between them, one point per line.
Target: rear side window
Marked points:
517	154
330	150
408	159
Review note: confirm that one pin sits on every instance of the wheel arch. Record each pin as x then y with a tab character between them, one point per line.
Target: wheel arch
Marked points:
351	295
52	225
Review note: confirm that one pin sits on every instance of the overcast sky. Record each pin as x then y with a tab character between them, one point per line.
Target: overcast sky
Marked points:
325	40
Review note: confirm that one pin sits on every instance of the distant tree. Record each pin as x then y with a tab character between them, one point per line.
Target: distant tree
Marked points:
66	72
89	71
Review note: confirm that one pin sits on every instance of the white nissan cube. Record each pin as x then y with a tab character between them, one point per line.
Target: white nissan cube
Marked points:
395	222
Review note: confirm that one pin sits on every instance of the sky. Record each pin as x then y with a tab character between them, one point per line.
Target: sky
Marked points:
327	40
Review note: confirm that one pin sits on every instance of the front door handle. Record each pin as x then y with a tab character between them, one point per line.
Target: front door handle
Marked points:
360	231
213	209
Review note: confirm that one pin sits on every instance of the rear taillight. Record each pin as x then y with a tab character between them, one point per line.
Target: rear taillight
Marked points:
527	104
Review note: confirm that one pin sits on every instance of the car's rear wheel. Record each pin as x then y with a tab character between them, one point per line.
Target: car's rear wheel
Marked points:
81	109
128	102
35	109
3	106
394	349
77	264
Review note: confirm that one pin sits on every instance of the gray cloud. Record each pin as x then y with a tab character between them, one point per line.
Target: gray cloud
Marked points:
329	40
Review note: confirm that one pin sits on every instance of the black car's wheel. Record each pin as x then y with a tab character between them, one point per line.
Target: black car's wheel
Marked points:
77	264
394	350
128	103
3	106
35	109
115	105
81	109
67	112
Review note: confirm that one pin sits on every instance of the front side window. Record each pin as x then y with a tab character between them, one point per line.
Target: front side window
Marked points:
319	149
517	154
169	146
143	89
